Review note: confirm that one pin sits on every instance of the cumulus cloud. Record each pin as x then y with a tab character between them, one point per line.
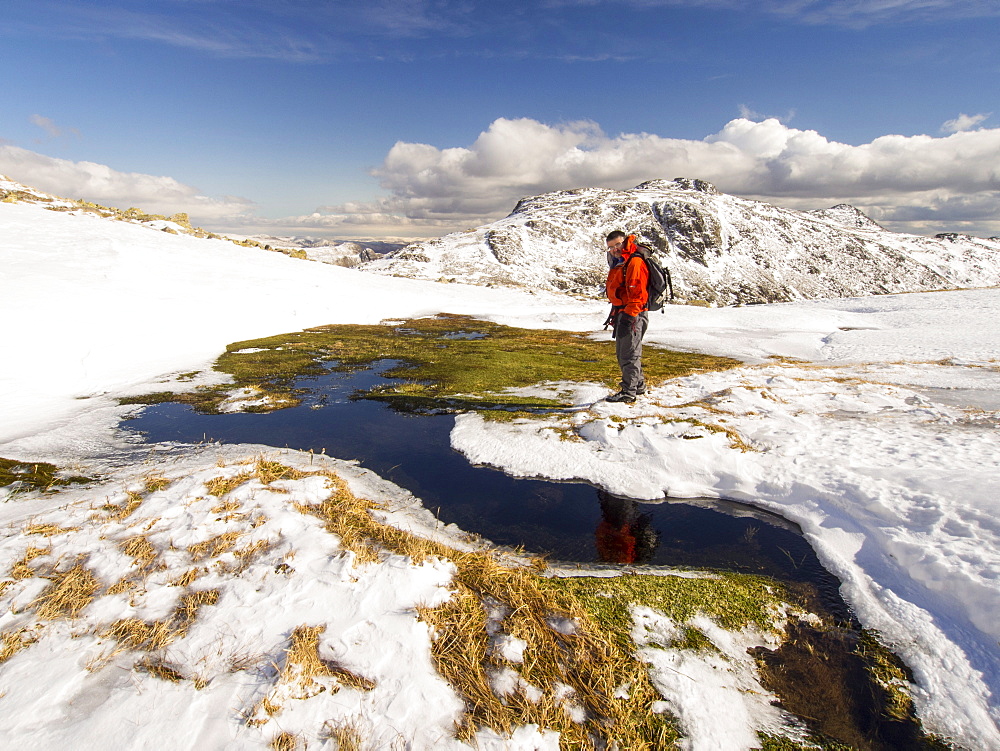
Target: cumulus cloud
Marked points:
901	179
964	122
101	184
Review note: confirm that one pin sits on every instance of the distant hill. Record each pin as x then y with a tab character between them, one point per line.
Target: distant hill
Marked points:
719	248
345	253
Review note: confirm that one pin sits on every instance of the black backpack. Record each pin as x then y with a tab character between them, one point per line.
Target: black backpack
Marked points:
659	284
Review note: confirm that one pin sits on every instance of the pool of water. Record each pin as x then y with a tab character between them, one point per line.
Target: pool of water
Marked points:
568	522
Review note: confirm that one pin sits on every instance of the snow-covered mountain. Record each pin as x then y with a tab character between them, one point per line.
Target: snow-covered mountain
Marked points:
719	248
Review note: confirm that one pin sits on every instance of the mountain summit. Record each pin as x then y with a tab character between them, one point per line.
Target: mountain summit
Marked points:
719	248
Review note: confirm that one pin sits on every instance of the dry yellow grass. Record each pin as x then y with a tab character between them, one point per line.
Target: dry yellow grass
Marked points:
122	586
186	579
345	736
588	660
301	676
142	550
214	546
154	483
47	530
69	593
158	668
268	471
124	510
135	633
12	642
21	570
303	657
225	507
284	742
219	486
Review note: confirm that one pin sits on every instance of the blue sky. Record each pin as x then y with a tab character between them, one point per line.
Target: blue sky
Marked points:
393	118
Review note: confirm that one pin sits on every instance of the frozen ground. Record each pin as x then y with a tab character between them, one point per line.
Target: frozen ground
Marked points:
881	442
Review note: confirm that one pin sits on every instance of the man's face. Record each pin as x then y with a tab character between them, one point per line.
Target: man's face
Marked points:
615	246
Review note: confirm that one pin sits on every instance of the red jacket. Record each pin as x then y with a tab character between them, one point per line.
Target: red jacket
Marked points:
626	285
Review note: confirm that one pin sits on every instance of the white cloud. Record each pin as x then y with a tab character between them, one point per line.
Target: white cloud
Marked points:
901	178
851	13
964	122
101	184
48	125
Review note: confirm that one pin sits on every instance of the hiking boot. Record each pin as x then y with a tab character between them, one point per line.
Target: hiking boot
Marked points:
621	396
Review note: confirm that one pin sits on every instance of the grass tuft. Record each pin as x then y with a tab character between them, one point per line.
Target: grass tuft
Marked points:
20	569
47	530
120	512
158	668
284	742
135	633
68	594
214	546
154	483
219	486
142	550
12	642
346	736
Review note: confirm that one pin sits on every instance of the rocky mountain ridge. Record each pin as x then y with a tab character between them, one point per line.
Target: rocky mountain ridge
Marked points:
719	248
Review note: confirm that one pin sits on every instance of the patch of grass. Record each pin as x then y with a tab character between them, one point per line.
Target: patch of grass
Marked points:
446	362
888	672
304	674
214	546
142	550
219	486
68	593
135	633
344	735
12	642
20	569
777	743
47	530
154	483
187	578
284	741
589	659
36	475
268	471
159	668
732	600
120	512
695	640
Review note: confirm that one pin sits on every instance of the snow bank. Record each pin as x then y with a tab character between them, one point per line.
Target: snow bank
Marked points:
897	489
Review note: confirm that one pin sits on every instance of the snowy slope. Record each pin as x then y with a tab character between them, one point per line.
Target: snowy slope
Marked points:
719	248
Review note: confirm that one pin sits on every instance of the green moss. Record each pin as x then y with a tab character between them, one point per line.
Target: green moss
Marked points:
446	362
777	743
695	640
733	601
35	475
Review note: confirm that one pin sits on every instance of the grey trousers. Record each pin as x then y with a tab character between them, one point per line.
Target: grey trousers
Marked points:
628	347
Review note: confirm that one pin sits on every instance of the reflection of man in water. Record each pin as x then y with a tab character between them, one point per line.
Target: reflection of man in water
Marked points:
624	535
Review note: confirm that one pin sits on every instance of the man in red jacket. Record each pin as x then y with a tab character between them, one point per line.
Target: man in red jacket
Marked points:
626	287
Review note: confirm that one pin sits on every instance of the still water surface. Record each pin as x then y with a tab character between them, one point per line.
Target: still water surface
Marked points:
568	522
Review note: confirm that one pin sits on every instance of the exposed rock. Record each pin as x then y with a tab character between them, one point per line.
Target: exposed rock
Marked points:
719	248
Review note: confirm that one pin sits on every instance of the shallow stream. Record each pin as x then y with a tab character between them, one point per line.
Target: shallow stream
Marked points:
567	522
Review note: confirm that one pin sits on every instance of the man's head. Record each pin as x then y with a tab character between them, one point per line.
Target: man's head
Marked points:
616	243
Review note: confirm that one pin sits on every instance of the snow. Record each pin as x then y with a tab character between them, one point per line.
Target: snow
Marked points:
871	422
